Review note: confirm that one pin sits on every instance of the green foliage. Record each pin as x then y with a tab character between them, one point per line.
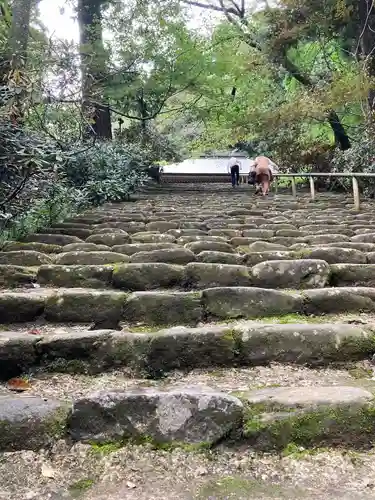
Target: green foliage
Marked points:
157	146
107	172
58	203
264	83
43	182
360	158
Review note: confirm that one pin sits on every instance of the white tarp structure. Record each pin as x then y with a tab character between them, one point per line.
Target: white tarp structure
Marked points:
206	166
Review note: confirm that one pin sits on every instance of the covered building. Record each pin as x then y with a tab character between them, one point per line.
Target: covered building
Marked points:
208	168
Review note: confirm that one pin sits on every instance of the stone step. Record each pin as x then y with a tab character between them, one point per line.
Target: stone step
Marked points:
307	416
256	252
154	352
182	269
195	275
106	308
225	405
273	306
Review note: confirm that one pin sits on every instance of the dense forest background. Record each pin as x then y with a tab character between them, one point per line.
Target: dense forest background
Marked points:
81	123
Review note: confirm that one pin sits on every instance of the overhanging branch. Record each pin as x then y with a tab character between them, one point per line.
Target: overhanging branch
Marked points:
210	6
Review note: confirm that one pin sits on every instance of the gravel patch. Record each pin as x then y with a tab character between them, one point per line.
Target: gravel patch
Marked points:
354	318
67	386
238	379
45	328
142	473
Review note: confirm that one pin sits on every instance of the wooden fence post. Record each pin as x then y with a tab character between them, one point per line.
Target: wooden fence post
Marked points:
294	188
312	189
357	202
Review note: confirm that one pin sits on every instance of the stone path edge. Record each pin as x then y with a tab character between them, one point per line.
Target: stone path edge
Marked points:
154	353
107	308
143	276
194	419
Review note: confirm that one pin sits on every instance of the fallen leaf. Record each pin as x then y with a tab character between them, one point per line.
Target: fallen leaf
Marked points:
34	331
47	471
131	485
18	384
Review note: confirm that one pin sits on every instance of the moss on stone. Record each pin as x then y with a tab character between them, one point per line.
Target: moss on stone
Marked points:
243	249
292	318
6	328
79	487
361	345
146	329
132	354
302	253
111	446
62	365
105	448
56	425
276	427
359	372
239	487
116	267
234	338
295	451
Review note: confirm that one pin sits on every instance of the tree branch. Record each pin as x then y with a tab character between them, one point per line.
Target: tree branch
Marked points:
210	6
292	69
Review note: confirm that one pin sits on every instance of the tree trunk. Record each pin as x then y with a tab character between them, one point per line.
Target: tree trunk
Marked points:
341	138
102	122
93	64
366	10
19	32
17	54
143	112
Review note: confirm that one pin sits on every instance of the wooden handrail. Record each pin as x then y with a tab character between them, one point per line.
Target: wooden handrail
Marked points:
351	175
324	174
310	175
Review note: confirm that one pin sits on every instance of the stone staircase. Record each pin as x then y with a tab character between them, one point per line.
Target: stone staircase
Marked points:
197	324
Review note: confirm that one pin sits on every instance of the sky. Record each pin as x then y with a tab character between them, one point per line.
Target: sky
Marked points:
58	17
62	25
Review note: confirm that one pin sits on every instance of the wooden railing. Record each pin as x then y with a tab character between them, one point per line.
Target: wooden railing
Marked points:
353	176
310	176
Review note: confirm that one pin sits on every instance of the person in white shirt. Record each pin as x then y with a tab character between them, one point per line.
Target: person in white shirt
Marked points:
234	167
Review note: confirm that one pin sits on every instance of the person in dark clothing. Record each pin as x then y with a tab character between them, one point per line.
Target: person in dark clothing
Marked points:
234	167
154	172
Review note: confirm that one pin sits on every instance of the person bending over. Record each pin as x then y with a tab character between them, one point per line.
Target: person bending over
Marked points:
234	167
263	173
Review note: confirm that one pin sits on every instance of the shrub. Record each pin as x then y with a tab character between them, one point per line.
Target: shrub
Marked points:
359	158
41	184
107	172
58	203
159	146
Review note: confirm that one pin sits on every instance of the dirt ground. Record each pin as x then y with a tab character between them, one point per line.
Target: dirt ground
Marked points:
141	473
